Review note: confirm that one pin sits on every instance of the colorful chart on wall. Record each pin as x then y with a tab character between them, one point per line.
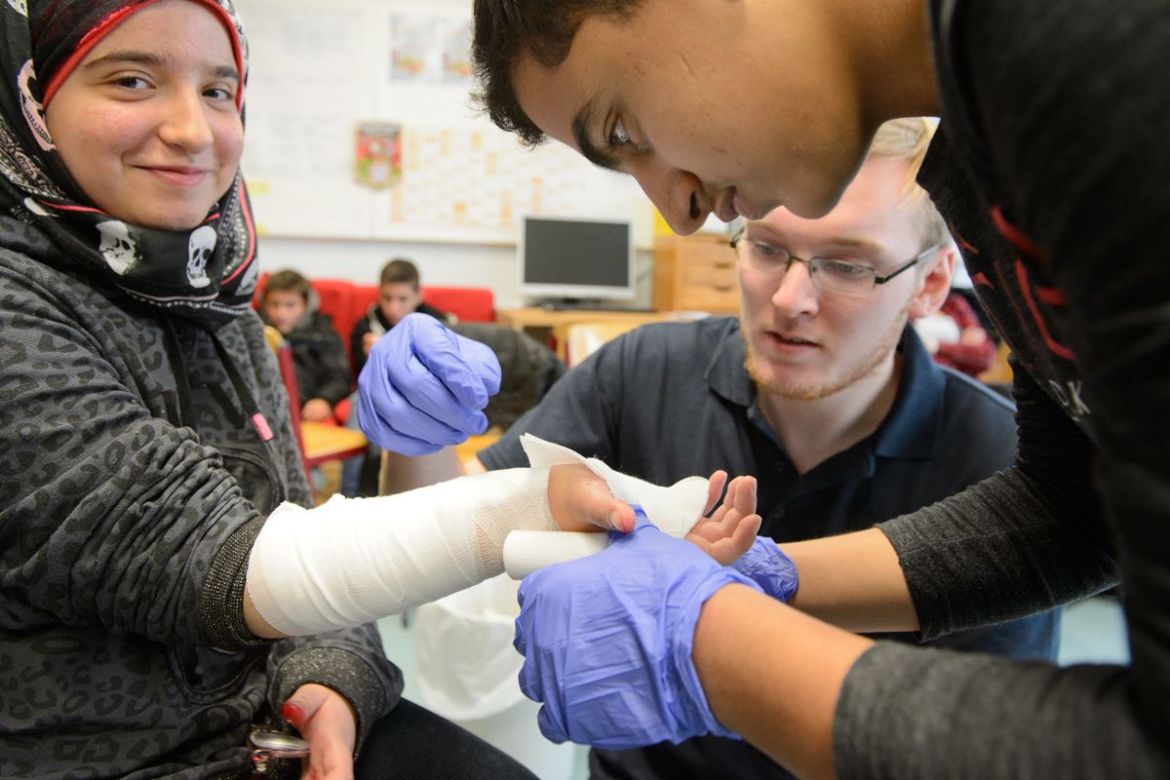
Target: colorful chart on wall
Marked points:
361	124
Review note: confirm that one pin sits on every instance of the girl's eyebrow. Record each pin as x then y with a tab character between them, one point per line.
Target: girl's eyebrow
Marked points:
146	58
589	150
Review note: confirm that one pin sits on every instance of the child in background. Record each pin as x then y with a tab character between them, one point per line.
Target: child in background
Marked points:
323	376
399	294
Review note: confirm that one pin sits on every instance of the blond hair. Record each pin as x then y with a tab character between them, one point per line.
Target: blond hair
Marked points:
905	139
908	139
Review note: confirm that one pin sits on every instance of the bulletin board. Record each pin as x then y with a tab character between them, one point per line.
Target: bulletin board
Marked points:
360	125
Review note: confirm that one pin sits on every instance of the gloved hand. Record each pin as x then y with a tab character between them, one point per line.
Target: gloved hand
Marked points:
423	387
607	641
767	565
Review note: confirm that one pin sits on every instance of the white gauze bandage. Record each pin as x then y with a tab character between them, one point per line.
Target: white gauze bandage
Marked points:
674	510
353	560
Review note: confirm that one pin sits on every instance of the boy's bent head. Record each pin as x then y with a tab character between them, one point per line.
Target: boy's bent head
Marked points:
725	107
504	29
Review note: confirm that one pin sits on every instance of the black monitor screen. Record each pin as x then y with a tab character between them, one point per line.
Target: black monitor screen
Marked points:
566	253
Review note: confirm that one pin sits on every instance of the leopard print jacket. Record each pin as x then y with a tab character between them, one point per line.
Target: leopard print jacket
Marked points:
132	484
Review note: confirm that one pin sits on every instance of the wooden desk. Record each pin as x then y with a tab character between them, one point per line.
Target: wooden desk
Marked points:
330	442
550	325
536	317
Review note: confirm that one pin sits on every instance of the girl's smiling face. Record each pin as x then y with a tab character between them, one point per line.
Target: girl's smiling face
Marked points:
147	122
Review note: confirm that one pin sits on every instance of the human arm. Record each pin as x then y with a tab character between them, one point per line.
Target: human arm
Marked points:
360	559
644	594
1079	293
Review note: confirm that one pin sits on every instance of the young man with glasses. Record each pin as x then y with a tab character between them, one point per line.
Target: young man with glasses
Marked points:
821	389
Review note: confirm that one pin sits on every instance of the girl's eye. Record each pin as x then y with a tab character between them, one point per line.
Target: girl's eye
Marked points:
131	82
219	93
618	135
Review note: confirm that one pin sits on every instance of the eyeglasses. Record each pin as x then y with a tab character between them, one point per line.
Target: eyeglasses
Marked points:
829	275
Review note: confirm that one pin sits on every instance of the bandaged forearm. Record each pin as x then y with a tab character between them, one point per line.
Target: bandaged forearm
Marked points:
353	560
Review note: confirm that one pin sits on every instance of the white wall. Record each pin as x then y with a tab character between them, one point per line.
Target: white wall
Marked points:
306	93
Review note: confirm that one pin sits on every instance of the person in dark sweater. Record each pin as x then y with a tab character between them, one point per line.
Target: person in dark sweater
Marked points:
318	354
1050	166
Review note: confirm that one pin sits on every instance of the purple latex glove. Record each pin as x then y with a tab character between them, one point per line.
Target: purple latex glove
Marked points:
607	641
424	387
767	565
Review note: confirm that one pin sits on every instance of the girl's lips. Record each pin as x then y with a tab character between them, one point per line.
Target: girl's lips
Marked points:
183	177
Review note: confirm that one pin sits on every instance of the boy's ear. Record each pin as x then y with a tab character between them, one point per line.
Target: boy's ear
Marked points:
935	282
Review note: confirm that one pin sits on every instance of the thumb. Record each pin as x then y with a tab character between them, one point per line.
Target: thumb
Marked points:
483	361
300	708
552	730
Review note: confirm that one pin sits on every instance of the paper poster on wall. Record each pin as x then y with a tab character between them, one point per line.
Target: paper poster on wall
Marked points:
430	49
377	154
455	35
481	178
338	147
412	48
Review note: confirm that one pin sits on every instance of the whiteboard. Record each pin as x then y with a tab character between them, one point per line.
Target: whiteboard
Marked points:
321	73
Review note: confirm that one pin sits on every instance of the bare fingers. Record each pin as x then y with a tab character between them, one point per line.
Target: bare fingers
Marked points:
728	545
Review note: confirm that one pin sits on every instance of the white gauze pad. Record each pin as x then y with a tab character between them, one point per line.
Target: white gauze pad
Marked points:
674	510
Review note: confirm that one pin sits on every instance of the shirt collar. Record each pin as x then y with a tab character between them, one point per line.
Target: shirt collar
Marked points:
910	430
726	374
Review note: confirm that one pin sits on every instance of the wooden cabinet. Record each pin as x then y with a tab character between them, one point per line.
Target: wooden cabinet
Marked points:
695	273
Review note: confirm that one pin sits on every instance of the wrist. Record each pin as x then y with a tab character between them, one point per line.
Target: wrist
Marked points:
770	568
715	595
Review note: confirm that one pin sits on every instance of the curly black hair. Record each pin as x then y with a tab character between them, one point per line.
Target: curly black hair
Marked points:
544	28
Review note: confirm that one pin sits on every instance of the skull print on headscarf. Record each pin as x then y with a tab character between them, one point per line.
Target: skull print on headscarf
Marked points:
207	273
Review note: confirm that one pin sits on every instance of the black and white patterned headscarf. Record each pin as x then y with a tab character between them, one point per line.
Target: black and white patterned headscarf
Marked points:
207	273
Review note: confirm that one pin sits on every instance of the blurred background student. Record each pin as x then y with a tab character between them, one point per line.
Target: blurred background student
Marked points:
323	376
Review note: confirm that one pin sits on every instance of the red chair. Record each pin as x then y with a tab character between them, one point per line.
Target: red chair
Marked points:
318	442
469	304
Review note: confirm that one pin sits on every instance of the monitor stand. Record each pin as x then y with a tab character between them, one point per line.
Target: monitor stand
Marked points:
571	304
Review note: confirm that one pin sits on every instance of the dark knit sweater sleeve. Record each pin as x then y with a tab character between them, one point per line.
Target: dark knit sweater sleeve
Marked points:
1070	101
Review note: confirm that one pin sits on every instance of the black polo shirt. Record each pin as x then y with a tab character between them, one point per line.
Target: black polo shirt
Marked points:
671	400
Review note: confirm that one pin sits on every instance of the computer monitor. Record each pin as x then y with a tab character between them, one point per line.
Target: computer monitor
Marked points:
576	260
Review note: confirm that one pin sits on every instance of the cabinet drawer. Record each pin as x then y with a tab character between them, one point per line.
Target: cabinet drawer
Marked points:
706	299
717	275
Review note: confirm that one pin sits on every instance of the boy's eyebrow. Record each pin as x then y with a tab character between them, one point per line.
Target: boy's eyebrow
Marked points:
591	153
146	58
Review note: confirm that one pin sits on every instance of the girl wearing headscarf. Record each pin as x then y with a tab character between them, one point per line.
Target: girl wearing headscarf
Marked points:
155	541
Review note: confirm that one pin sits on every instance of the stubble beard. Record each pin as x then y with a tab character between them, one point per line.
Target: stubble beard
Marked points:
773	382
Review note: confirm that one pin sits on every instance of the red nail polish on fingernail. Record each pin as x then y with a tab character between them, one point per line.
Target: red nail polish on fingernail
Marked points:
292	712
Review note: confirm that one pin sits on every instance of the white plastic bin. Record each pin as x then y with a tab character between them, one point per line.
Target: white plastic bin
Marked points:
467	672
